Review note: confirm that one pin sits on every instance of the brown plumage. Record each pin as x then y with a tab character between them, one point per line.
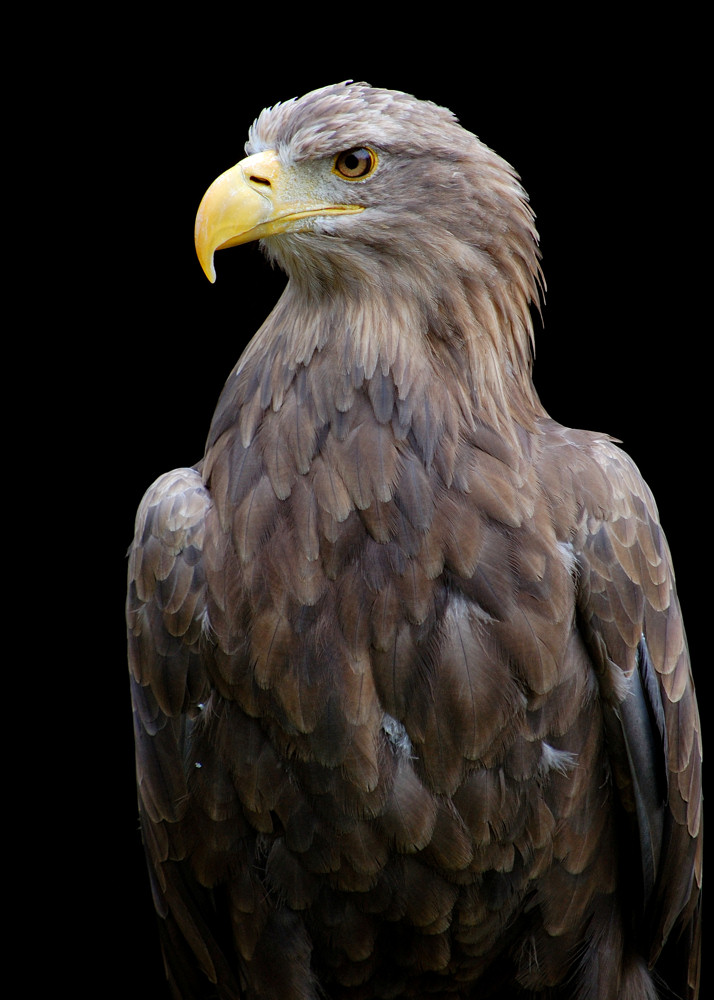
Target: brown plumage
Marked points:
414	712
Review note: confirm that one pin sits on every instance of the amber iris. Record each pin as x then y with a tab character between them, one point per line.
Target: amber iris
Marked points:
355	164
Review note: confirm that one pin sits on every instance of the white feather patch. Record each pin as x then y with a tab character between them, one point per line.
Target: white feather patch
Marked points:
556	760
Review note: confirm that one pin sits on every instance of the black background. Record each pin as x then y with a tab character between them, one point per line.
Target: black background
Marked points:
603	123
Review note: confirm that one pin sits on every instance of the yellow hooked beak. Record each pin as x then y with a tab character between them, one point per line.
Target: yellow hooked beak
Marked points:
258	197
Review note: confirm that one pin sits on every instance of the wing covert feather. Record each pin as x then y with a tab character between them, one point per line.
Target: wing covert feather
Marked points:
630	615
166	605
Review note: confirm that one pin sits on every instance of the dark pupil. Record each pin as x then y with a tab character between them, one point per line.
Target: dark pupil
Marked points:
355	162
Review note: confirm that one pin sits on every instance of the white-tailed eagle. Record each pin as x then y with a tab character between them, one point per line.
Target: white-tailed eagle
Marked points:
414	711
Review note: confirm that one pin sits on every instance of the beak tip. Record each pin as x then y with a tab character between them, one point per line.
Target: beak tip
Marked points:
208	268
203	244
205	259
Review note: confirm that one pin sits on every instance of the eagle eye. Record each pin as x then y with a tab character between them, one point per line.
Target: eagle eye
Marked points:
355	164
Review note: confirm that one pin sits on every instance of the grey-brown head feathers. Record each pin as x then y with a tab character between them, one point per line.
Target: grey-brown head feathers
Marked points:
447	235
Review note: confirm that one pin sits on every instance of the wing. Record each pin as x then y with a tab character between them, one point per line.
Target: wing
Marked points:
168	650
631	619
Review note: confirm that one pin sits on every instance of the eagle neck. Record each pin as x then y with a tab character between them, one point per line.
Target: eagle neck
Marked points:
439	357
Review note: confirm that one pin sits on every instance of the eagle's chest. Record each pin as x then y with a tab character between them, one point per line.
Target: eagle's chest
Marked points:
356	582
400	684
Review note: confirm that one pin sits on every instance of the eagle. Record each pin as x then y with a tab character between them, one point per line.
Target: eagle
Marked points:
413	706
